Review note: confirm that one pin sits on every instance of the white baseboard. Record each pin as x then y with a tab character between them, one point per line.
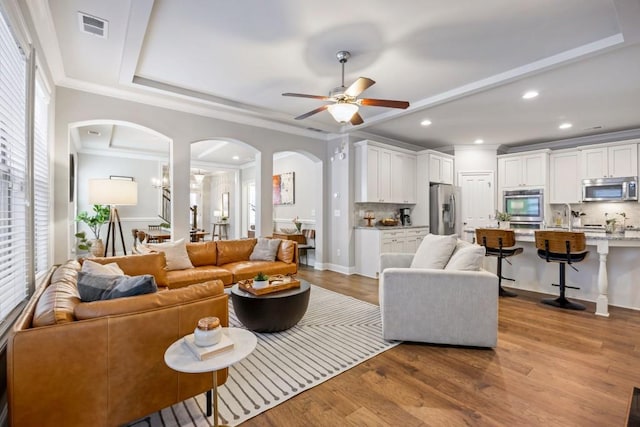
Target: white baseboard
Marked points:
339	268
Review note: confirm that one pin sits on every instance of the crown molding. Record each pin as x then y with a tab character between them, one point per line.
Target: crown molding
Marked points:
576	142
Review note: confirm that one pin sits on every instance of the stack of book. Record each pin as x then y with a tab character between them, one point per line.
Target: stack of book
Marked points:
204	353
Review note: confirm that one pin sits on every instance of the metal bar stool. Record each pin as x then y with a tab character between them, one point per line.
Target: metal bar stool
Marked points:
563	247
500	244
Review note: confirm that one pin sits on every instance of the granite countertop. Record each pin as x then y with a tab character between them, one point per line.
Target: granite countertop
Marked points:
389	227
590	234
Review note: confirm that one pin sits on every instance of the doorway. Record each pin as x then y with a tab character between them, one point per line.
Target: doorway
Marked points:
478	198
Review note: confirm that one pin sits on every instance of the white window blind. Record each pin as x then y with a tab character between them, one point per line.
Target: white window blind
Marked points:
13	230
41	178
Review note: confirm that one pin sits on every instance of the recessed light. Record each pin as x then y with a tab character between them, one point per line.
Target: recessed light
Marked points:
479	141
565	125
530	94
93	132
236	157
425	122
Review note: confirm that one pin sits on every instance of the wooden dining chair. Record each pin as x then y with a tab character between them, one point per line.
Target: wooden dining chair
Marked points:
153	227
310	243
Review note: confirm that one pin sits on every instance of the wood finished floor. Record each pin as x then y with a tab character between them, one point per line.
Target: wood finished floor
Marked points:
551	368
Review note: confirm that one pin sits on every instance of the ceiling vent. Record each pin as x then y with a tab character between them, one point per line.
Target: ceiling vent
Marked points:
93	25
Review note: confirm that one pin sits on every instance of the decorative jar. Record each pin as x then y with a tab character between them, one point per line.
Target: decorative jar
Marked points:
208	332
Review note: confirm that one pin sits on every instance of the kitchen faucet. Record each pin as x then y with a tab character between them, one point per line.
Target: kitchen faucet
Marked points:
568	213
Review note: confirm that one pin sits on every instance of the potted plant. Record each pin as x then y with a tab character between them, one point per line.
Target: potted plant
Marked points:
298	224
94	222
576	218
503	219
260	281
614	225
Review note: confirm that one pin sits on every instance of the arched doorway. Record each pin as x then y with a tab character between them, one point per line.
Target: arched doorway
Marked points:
111	148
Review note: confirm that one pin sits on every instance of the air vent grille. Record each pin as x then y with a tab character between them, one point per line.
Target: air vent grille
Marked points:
93	25
315	130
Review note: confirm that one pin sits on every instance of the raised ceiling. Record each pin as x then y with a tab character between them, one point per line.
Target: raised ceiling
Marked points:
462	64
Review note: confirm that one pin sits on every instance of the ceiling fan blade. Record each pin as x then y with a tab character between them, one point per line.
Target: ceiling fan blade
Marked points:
356	119
302	95
383	103
359	86
311	113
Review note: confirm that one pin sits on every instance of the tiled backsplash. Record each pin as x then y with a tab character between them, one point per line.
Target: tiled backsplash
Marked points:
380	210
594	212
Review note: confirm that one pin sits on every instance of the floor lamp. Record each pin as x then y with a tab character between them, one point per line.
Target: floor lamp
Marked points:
113	192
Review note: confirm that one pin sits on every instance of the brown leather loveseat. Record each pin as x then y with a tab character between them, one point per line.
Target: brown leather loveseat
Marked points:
72	363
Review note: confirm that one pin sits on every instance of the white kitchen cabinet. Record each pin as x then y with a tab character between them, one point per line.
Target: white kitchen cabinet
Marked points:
610	161
371	242
564	177
523	170
384	175
403	181
440	169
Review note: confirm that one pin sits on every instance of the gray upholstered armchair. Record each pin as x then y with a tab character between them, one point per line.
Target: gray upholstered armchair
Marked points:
440	306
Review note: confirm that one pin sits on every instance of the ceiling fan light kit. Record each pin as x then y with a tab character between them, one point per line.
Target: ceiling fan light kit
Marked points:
342	112
345	99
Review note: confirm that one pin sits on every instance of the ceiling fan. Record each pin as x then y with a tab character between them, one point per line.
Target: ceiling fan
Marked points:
345	99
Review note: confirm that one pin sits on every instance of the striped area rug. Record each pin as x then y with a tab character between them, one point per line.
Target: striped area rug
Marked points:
336	334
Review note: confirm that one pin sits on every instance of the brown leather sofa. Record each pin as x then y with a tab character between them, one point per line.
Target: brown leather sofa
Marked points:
225	260
101	363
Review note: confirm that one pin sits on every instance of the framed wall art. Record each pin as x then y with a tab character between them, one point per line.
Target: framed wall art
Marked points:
284	189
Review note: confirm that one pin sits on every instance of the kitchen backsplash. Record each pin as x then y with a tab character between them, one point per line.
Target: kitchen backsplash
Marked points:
594	212
380	210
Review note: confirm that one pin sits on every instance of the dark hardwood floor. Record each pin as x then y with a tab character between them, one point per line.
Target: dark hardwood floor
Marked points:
551	368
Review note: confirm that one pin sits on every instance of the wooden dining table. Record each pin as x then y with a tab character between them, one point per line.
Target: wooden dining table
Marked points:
162	235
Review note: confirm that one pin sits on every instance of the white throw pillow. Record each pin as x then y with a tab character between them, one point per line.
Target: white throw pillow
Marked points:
265	250
434	251
466	258
175	252
111	269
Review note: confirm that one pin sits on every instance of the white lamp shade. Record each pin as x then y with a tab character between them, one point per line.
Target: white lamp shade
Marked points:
198	177
113	192
342	112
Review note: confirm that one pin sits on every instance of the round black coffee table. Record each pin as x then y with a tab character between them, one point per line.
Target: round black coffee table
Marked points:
272	312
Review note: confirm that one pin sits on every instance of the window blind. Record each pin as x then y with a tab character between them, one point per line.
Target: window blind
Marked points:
13	149
41	178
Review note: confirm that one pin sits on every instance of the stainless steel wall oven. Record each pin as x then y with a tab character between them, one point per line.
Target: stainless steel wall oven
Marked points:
526	207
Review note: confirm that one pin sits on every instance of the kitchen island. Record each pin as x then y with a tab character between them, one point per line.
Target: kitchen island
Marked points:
609	274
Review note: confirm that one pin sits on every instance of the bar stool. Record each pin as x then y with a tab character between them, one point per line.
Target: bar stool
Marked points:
563	247
500	244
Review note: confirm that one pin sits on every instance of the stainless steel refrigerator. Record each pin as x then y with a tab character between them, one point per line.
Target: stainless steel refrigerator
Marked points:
444	209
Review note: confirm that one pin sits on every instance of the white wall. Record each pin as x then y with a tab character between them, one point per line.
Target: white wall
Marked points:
182	129
307	185
475	158
90	166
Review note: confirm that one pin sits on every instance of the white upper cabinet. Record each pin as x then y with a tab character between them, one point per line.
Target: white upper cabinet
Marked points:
384	175
524	170
564	177
610	161
440	169
403	171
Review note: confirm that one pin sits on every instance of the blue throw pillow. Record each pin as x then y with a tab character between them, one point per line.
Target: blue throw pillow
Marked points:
94	287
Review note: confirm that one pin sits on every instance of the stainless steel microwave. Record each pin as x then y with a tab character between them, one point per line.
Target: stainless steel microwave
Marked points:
610	189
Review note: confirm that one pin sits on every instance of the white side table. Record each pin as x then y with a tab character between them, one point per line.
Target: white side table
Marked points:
178	357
